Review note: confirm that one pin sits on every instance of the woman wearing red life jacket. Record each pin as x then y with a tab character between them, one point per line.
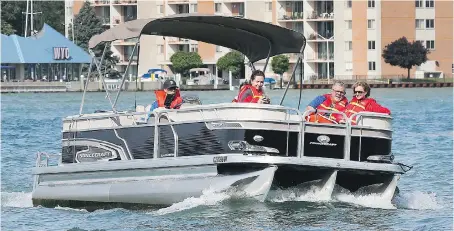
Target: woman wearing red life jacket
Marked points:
362	102
336	101
253	93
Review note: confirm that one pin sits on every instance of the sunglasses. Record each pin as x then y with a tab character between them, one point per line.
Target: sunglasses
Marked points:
172	88
358	92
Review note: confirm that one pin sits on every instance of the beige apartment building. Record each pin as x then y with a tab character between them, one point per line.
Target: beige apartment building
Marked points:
344	38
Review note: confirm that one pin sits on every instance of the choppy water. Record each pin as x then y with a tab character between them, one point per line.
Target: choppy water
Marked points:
423	137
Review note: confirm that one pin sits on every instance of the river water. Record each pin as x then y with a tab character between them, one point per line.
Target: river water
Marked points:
423	138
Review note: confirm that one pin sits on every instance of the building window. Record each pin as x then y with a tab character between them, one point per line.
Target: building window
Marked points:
217	7
418	4
348	24
193	8
268	6
423	43
452	67
348	66
371	3
160	49
429	3
218	49
195	48
430	44
371	66
348	45
371	45
160	9
371	24
348	3
419	23
430	23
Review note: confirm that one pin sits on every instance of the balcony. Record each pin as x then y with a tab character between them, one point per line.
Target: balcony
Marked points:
170	2
291	16
319	57
105	20
174	40
318	16
320	37
124	2
101	2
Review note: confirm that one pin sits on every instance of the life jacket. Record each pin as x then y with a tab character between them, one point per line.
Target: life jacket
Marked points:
256	94
356	106
161	97
329	105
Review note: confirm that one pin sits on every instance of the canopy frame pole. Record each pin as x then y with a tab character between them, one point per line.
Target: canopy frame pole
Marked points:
124	76
101	76
300	59
268	57
86	85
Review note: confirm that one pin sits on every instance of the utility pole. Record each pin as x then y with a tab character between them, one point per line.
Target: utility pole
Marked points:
31	18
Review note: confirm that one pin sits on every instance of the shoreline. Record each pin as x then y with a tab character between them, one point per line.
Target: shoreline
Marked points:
43	87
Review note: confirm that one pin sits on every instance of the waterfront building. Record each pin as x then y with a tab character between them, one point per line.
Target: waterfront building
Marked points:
344	38
46	56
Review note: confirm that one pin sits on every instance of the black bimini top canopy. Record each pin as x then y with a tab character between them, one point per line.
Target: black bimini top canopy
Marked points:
250	37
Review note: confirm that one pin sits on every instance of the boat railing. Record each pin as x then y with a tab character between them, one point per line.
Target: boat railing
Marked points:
214	113
43	158
346	126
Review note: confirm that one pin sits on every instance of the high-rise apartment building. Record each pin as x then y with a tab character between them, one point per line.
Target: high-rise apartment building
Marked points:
344	38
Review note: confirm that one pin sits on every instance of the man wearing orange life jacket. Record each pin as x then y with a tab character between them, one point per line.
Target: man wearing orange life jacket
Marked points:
169	97
336	101
253	93
362	102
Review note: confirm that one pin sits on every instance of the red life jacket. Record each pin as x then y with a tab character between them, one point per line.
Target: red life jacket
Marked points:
256	94
356	106
328	104
161	97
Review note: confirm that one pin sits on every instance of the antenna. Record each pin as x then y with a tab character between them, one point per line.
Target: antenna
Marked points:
31	18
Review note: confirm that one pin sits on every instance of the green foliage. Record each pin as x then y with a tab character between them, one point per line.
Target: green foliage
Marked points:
280	64
7	29
183	61
87	25
52	13
405	54
232	61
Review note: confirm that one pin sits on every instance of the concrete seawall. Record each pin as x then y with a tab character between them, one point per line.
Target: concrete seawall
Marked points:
17	87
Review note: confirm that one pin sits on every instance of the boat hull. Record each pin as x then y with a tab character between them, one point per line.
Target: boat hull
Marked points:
157	182
157	190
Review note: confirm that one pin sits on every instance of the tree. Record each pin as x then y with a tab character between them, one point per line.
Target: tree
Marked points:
86	25
232	61
52	13
280	64
405	54
6	28
183	61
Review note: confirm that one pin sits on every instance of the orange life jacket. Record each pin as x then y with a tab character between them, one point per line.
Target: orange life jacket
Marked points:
328	104
161	97
356	106
256	94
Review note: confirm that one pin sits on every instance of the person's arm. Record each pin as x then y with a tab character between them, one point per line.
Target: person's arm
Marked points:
316	102
375	107
246	97
154	105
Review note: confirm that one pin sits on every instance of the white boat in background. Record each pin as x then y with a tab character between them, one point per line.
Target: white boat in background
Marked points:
164	156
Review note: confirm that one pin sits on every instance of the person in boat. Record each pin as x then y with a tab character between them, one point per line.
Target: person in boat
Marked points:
235	100
362	102
253	92
169	97
334	101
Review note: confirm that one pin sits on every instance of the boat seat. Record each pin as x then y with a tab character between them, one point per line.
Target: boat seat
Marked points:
144	117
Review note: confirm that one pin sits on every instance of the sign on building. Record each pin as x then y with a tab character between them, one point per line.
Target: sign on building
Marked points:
61	53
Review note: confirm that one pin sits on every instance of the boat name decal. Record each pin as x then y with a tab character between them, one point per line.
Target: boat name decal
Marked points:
94	154
219	159
323	140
